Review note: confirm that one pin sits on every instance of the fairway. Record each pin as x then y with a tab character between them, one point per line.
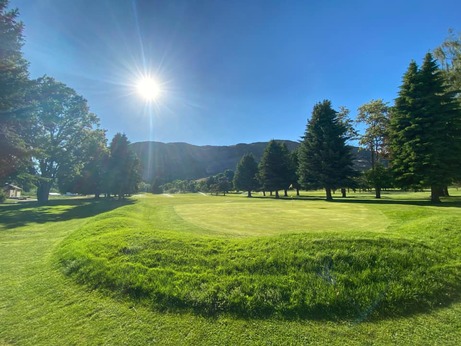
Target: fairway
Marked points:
193	269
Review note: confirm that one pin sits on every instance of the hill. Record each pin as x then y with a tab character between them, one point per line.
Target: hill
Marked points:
170	161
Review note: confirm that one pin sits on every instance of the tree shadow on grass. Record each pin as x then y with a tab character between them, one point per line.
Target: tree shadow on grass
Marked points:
21	214
447	202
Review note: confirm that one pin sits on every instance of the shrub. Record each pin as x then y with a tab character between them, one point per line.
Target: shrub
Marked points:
2	196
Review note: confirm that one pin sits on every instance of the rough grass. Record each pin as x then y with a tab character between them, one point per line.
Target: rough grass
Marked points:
319	262
40	306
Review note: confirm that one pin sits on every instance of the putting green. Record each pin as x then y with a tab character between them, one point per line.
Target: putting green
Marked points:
346	259
268	218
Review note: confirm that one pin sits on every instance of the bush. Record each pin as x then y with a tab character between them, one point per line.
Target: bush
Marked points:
2	196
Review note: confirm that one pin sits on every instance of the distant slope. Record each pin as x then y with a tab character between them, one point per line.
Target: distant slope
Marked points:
170	161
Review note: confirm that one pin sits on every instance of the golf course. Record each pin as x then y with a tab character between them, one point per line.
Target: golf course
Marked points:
197	269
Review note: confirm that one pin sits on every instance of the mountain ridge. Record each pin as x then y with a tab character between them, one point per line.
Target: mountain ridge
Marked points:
184	161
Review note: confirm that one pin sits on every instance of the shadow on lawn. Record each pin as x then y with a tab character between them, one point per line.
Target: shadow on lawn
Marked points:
447	202
452	202
21	214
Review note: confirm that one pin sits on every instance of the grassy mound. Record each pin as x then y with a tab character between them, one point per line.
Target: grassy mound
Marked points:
153	253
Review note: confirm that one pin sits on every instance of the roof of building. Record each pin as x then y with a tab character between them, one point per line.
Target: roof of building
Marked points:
11	187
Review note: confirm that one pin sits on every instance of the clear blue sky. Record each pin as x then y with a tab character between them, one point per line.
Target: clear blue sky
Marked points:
232	71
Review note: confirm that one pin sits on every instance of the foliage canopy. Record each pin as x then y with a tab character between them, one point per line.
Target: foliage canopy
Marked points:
425	130
325	161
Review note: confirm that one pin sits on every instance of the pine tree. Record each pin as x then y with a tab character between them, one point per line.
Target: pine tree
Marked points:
295	164
123	171
274	167
325	161
245	177
425	130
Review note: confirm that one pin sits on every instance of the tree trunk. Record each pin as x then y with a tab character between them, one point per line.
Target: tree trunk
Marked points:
343	192
277	194
43	192
377	192
249	193
445	191
373	157
328	193
297	192
285	193
435	194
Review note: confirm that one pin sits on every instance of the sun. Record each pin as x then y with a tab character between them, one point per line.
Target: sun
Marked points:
148	88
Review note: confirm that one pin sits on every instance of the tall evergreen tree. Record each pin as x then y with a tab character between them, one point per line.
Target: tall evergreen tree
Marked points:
229	175
402	132
325	161
290	164
274	167
294	170
245	177
14	83
425	130
123	171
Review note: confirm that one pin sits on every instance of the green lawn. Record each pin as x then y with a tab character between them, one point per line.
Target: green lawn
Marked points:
108	246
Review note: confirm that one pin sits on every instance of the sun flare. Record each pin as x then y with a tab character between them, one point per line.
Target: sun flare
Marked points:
148	88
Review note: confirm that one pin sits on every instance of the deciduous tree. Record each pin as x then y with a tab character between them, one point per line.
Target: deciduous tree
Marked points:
62	124
375	116
90	173
449	55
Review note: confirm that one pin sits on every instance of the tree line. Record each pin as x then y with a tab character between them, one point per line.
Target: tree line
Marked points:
414	144
48	136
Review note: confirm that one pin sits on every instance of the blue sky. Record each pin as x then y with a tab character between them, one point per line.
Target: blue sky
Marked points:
232	71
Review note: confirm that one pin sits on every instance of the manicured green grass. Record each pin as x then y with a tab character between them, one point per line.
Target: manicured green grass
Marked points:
264	217
406	262
316	260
